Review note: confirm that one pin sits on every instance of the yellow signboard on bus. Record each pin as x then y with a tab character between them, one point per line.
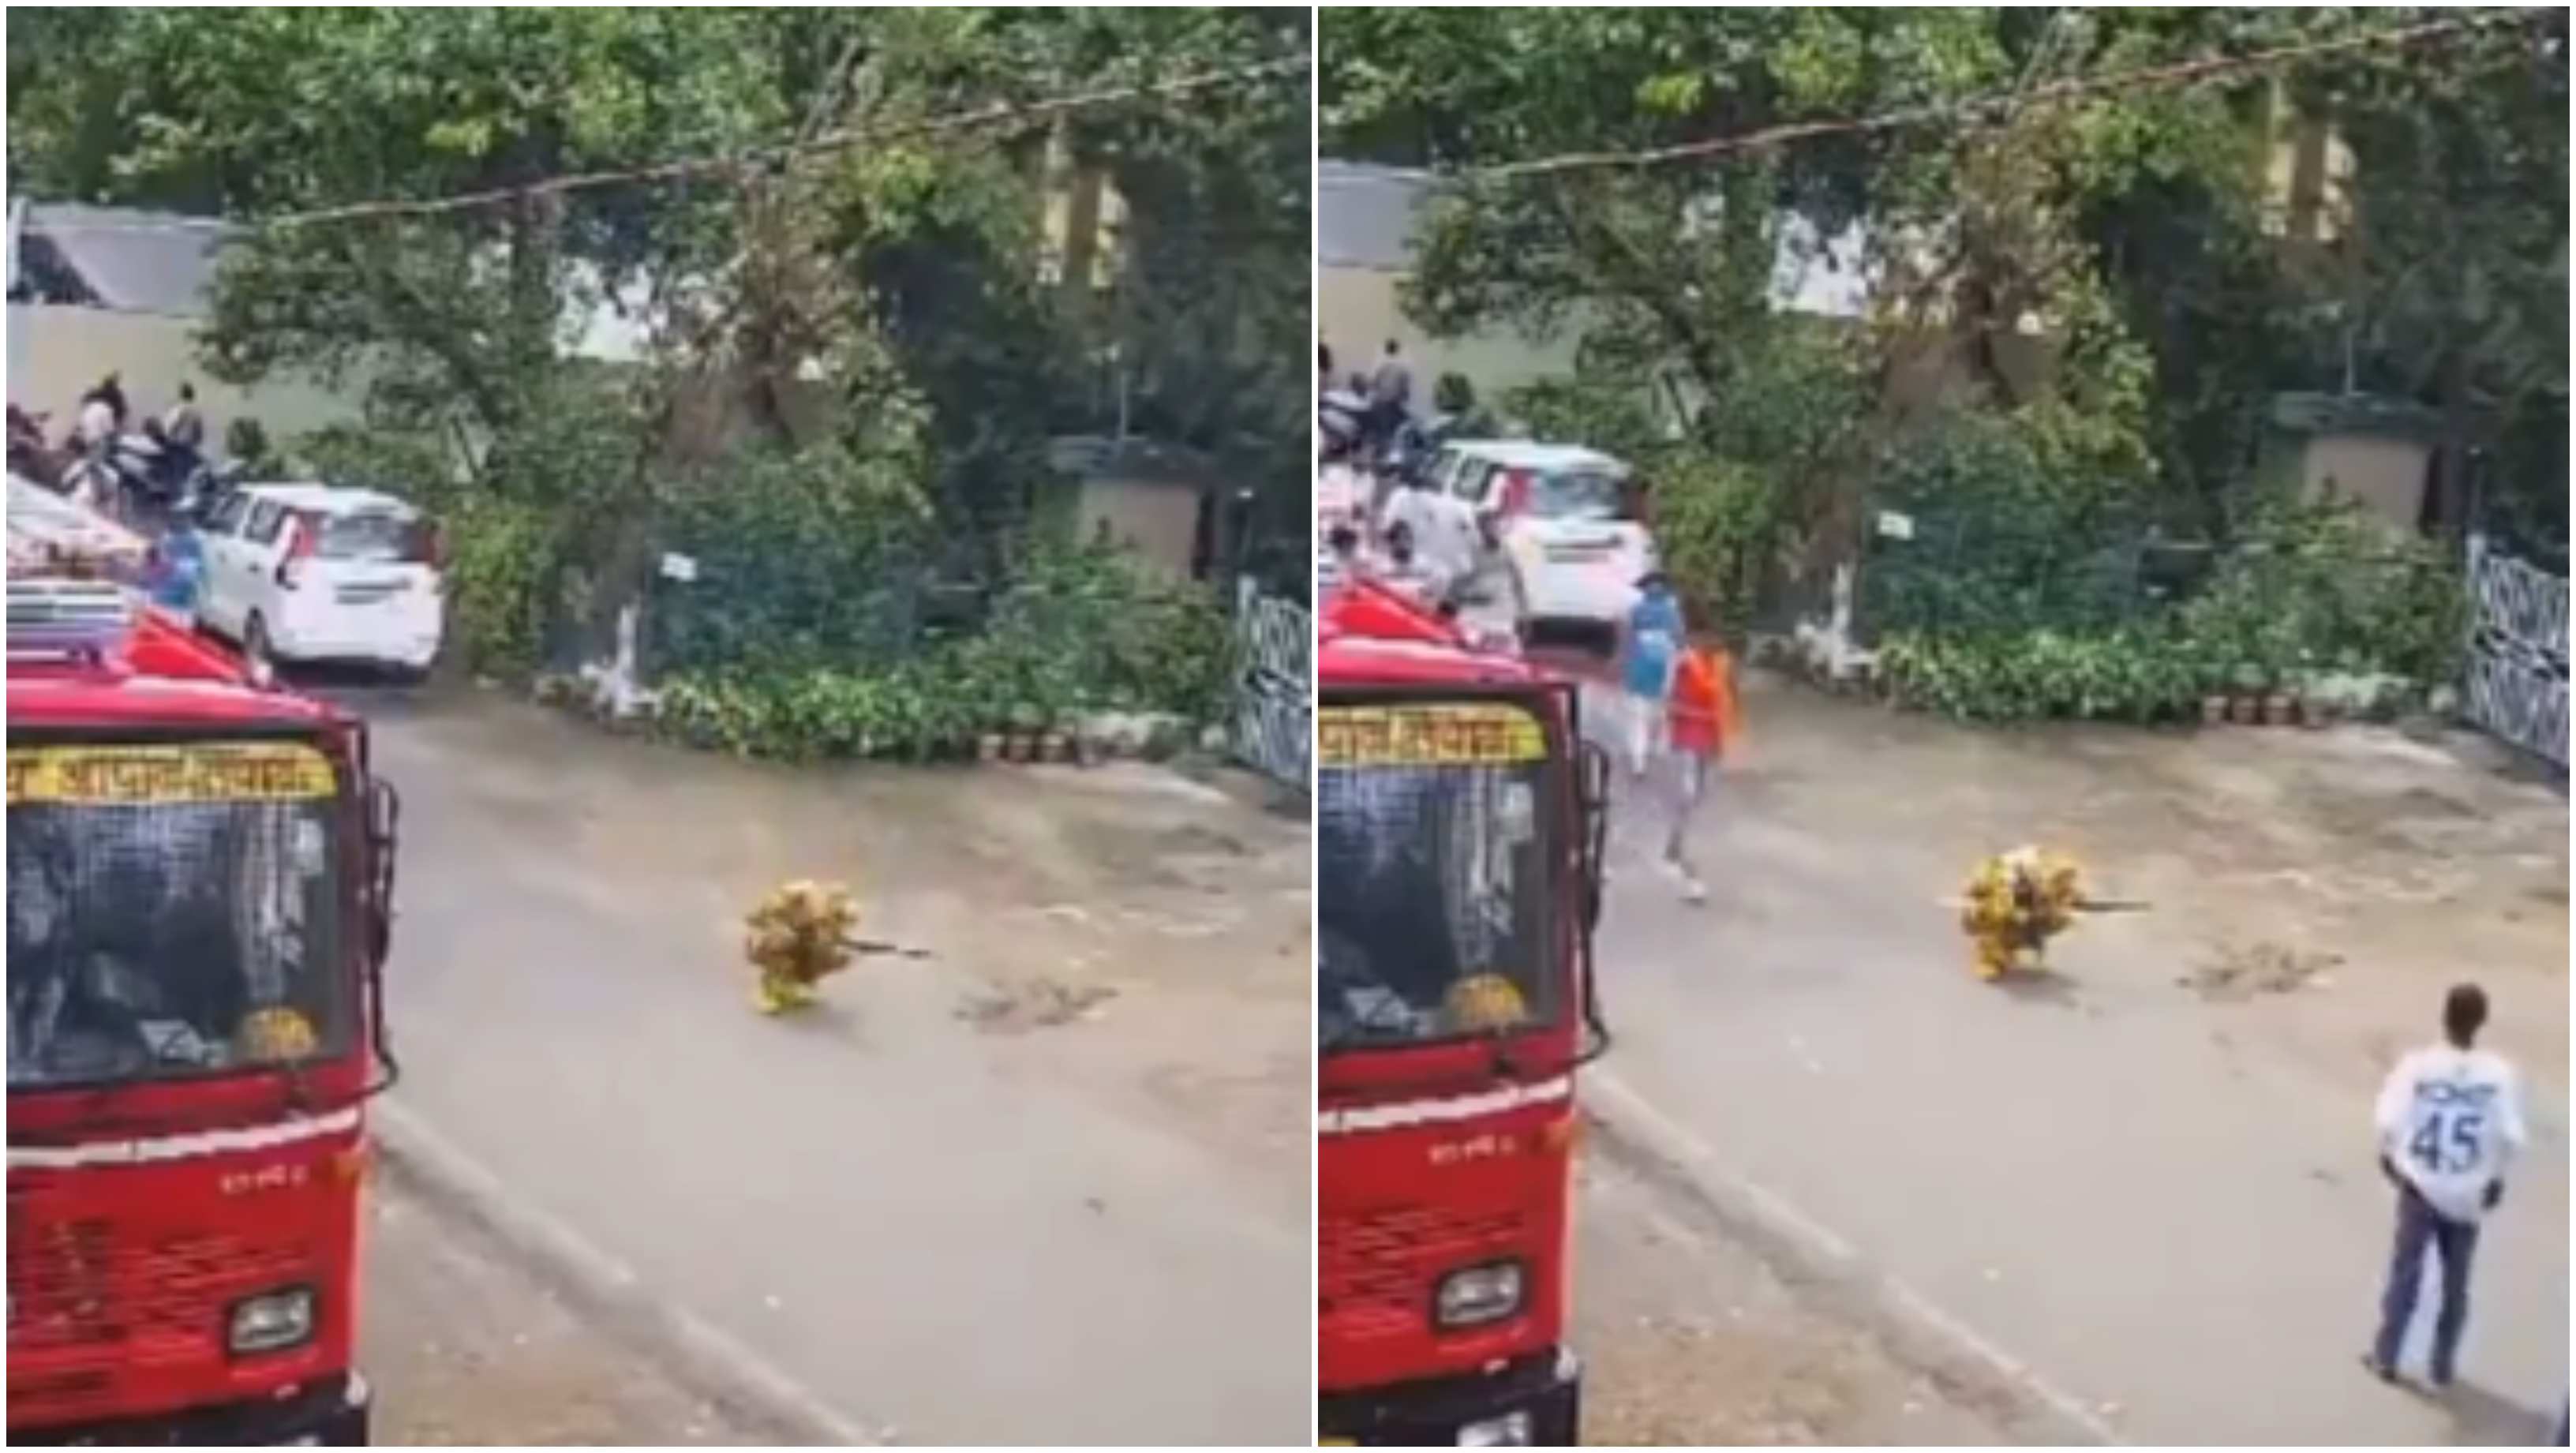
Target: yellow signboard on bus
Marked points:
194	772
1457	734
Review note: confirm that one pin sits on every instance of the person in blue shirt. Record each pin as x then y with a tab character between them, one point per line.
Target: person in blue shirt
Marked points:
1651	644
177	569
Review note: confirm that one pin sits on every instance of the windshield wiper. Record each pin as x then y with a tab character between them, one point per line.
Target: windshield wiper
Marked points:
1375	1018
1507	1066
178	1045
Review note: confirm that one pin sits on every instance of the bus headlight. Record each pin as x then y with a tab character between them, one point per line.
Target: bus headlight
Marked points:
1511	1430
270	1322
1475	1295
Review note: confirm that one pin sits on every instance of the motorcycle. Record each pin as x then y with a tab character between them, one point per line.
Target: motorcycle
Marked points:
1341	424
1414	445
143	479
117	481
206	488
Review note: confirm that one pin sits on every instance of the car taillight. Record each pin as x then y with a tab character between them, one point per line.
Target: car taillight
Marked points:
1516	490
302	539
429	547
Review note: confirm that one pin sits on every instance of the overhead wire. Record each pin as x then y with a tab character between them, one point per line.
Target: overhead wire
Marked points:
997	114
808	142
1981	112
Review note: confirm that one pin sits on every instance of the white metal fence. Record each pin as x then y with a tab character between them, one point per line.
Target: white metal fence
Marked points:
2517	677
1274	701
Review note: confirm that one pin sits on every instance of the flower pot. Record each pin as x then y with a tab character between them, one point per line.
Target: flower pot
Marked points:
2213	710
2316	711
2279	710
988	747
2245	710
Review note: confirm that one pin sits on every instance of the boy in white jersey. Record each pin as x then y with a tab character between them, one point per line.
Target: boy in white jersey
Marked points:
2449	1120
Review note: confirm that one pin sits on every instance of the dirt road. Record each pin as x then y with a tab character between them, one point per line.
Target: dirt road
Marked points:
997	1195
2139	1191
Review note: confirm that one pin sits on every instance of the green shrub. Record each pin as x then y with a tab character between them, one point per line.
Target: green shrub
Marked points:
2136	674
246	443
1612	413
502	570
915	710
2309	590
2005	539
1112	633
2313	588
1719	525
406	466
1079	631
810	560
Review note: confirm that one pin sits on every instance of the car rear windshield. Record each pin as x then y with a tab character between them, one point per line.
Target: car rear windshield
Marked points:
375	537
1575	494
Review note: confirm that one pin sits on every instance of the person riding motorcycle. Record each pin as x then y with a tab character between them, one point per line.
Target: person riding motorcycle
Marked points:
1341	426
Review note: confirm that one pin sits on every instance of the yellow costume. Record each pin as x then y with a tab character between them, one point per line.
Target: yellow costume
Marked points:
798	934
2016	902
1484	1004
275	1035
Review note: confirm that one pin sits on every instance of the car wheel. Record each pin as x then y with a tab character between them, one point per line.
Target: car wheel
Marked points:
1520	604
257	651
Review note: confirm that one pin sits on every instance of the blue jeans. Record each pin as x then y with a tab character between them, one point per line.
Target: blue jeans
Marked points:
2420	1226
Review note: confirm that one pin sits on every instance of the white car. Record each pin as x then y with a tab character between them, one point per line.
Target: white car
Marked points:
1571	549
309	572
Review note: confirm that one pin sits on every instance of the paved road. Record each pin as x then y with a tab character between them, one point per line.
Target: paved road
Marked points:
948	1206
469	1345
1693	1333
2159	1211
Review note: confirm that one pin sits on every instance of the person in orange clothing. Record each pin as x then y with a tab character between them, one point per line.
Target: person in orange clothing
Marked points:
1701	726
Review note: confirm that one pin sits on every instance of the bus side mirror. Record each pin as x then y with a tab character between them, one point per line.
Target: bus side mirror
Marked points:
1594	802
1592	789
384	818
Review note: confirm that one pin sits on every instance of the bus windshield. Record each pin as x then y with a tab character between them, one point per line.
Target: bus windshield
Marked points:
173	912
1434	830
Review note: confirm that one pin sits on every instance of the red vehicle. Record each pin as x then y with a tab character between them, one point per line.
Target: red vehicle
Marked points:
1458	820
200	879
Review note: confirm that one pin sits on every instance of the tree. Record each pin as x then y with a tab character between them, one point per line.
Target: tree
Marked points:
1668	273
1681	255
2452	285
2130	223
897	277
